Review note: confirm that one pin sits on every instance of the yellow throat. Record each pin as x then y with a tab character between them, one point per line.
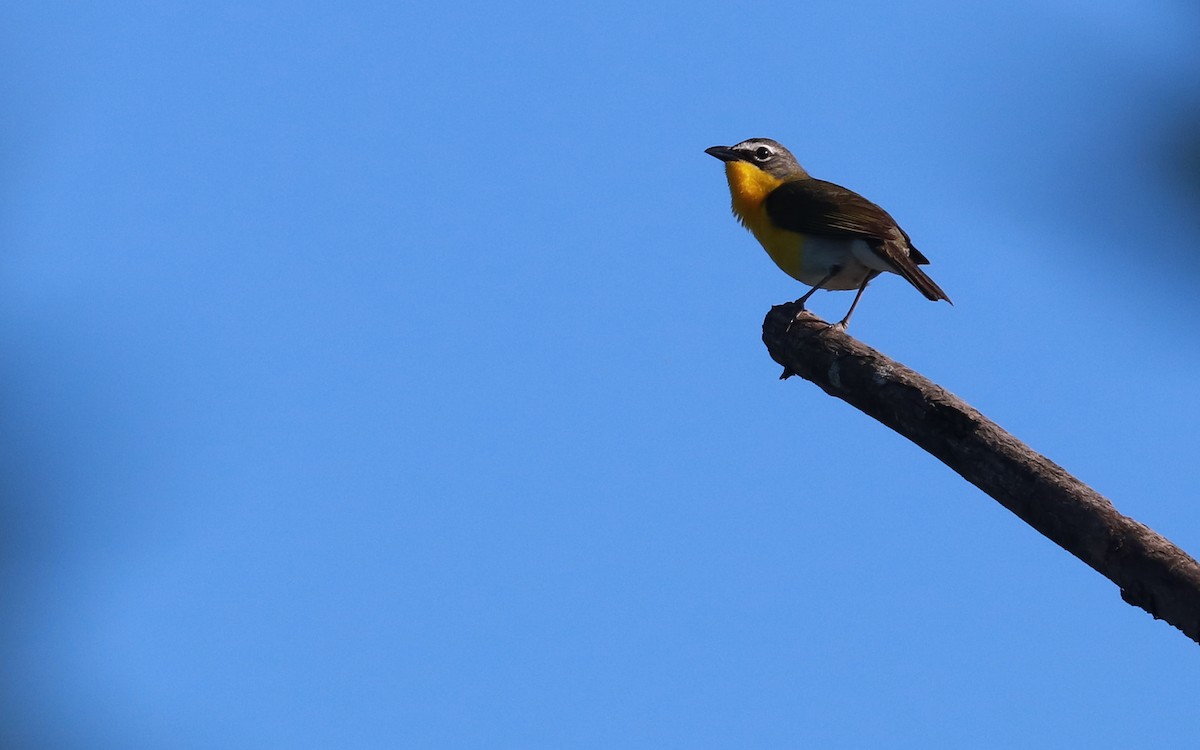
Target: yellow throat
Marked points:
749	187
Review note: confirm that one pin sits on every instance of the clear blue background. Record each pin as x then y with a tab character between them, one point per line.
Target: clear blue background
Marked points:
380	374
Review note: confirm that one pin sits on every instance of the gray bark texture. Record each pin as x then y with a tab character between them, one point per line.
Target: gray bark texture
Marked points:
1152	573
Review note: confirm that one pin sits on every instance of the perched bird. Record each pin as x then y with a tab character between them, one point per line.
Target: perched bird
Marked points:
818	233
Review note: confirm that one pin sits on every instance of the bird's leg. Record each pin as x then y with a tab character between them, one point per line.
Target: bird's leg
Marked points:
841	324
833	271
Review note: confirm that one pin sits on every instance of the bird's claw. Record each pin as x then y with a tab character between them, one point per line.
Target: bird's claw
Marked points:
799	312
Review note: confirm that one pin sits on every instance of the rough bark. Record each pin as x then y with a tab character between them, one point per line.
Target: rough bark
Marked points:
1151	572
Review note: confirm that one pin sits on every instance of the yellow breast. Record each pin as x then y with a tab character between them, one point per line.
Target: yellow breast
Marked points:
749	187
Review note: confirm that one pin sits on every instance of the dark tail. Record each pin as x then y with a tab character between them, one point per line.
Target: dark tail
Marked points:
919	278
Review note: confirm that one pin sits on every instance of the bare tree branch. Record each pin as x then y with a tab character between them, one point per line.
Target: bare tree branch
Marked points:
1151	572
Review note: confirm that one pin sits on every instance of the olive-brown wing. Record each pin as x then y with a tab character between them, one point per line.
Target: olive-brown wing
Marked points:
822	208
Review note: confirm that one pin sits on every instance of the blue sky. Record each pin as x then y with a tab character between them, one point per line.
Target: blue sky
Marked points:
389	375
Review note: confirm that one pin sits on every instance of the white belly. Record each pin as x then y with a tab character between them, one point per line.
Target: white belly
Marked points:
853	256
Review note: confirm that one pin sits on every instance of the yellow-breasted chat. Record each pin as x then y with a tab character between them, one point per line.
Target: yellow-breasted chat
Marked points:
819	233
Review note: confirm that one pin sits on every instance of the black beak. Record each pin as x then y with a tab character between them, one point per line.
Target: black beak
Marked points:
724	153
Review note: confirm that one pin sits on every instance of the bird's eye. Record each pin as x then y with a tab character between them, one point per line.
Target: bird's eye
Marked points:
762	153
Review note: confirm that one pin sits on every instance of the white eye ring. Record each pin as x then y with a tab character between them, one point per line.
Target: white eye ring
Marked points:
762	153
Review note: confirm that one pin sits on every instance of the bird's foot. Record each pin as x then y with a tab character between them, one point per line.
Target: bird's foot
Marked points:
800	311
